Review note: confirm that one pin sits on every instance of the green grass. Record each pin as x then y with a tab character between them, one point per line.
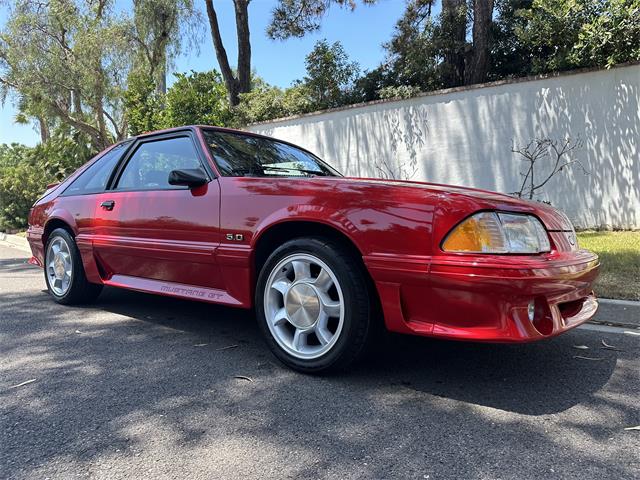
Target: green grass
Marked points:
620	262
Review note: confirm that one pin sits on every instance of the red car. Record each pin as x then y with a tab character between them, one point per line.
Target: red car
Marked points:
234	218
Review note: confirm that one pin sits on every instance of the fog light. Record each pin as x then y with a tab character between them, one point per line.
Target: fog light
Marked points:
531	311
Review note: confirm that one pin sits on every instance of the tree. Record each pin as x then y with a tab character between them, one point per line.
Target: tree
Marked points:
159	28
266	102
330	74
544	159
144	105
477	64
451	40
611	37
240	82
67	60
296	18
510	56
551	29
197	98
413	52
24	171
429	53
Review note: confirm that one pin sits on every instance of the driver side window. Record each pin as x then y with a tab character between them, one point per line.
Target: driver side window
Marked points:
150	165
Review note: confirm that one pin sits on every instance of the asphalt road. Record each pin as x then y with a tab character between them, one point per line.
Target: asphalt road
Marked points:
138	386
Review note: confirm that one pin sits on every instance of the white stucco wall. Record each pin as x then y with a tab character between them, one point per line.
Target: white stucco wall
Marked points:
464	137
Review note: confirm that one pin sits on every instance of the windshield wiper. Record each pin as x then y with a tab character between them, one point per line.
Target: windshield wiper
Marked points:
285	169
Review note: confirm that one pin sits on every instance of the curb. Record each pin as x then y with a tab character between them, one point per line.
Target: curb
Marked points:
624	313
16	241
625	303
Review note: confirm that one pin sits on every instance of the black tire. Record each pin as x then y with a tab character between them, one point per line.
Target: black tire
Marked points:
80	291
357	327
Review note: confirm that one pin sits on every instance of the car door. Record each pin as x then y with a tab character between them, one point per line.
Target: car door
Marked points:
146	228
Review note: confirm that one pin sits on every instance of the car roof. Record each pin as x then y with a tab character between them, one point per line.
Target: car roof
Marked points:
193	128
196	127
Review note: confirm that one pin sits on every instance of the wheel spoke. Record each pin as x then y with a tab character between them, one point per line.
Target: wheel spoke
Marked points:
55	248
330	307
282	286
280	317
301	269
299	339
323	334
323	281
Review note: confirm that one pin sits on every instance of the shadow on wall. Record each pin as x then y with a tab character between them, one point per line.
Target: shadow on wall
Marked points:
465	138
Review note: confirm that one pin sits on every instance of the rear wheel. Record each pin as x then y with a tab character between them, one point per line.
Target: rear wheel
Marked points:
64	272
313	305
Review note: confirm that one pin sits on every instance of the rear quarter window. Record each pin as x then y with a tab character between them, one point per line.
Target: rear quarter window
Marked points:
95	178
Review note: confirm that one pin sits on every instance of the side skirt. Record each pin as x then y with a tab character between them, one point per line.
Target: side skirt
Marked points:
169	289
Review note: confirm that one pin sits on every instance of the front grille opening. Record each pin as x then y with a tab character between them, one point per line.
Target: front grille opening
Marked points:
571	309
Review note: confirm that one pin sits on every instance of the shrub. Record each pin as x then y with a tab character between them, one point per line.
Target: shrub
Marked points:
25	172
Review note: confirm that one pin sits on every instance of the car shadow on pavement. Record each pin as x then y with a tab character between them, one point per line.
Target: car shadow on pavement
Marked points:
140	373
532	379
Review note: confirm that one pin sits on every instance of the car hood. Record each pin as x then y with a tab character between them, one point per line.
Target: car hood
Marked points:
553	218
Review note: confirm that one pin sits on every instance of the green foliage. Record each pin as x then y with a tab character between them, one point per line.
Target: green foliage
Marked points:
266	102
611	37
197	98
143	104
401	91
296	18
580	33
414	50
67	60
160	29
330	75
20	186
24	172
510	56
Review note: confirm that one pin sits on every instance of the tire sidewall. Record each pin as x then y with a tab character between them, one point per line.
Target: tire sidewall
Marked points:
348	283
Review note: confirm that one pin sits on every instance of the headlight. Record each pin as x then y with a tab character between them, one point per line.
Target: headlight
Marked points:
492	232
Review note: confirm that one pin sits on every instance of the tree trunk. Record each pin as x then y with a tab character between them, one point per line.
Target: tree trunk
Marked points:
244	45
44	129
454	22
161	82
478	66
221	54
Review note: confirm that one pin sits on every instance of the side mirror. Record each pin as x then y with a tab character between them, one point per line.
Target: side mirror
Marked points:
188	177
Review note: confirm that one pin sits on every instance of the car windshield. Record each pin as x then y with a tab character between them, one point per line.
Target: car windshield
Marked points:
238	155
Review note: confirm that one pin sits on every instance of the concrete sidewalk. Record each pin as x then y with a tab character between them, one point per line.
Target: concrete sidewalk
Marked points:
622	313
15	241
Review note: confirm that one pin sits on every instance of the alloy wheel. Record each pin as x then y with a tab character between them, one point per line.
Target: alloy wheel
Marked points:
59	266
304	306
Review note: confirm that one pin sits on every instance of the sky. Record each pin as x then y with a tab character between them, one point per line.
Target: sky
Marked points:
361	32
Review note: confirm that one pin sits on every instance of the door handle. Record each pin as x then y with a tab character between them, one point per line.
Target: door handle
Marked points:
108	204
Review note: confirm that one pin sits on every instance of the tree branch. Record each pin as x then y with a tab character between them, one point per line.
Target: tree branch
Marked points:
221	55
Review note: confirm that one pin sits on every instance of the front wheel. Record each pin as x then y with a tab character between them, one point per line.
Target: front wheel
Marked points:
313	305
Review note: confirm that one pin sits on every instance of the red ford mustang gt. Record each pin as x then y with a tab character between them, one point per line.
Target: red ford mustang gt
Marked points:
239	219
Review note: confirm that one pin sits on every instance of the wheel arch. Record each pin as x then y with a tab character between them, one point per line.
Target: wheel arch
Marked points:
278	233
52	224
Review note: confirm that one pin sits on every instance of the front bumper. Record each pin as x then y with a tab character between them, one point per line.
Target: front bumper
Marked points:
486	298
